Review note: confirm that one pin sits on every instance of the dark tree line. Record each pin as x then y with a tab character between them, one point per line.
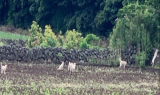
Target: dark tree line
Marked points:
86	16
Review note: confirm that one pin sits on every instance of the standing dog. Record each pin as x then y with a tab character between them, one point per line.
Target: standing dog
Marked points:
3	68
71	67
154	57
122	63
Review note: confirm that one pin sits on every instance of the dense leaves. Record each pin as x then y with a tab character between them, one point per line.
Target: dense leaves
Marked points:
86	16
36	36
73	39
137	24
86	43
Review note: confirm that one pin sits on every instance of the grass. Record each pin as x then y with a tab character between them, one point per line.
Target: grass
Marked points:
6	35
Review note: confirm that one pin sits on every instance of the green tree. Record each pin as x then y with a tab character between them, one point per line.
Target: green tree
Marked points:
50	36
83	15
73	39
136	25
36	37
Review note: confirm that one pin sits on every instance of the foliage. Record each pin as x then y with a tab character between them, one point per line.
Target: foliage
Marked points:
83	15
141	58
84	45
59	55
60	39
73	39
36	36
50	36
136	26
1	43
44	44
88	40
13	36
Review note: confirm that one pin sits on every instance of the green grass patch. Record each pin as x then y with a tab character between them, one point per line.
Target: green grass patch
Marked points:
13	36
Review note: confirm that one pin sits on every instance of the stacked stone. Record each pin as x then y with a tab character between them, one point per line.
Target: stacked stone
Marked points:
18	53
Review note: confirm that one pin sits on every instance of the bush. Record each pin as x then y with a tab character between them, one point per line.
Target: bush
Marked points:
59	55
50	36
1	43
87	41
73	39
90	38
60	39
44	44
84	45
36	36
141	58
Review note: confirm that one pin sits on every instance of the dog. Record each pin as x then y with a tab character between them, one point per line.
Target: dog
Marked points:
61	66
122	63
71	67
154	57
3	68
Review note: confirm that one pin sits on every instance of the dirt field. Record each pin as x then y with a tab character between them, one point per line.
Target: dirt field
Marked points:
44	79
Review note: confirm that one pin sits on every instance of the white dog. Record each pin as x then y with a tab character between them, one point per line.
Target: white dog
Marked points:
154	57
124	63
61	66
3	68
71	67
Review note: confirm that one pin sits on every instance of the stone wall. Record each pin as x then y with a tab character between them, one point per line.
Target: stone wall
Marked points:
14	52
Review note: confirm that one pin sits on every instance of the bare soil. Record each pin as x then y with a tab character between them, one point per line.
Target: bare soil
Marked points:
92	80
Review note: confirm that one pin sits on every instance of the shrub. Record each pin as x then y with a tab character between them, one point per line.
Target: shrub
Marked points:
44	44
84	45
141	58
73	39
51	42
60	39
88	40
36	36
59	55
1	43
50	36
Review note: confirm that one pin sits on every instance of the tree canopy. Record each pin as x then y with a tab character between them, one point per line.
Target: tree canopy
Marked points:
137	25
86	16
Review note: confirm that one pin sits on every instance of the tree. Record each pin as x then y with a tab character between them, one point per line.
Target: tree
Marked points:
73	39
50	36
136	26
36	37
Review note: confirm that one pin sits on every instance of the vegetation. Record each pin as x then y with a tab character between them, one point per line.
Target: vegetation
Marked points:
73	39
87	42
60	39
50	36
79	24
42	79
7	35
36	37
84	16
136	25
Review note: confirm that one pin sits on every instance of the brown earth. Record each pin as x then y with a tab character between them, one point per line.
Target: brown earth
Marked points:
92	80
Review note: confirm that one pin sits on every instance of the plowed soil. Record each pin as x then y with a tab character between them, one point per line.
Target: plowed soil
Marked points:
40	79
